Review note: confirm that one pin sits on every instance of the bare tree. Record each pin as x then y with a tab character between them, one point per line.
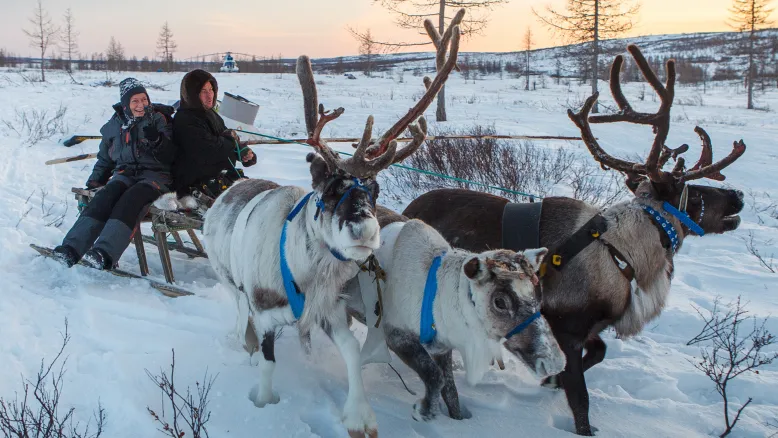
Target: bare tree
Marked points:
69	36
166	47
748	16
729	353
114	55
410	14
41	33
367	49
590	21
528	41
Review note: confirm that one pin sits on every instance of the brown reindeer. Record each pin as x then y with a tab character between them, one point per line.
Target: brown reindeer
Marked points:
614	266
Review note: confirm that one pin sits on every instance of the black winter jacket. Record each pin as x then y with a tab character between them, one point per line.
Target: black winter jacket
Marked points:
125	148
204	150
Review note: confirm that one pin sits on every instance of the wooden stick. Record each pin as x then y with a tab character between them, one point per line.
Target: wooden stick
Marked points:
356	140
408	139
69	159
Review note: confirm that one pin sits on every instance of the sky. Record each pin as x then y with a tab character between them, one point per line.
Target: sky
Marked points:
313	27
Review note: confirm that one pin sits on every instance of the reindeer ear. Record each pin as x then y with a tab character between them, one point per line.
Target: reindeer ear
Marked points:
472	268
319	170
633	181
535	257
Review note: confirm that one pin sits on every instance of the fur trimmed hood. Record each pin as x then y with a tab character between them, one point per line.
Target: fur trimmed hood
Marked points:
191	85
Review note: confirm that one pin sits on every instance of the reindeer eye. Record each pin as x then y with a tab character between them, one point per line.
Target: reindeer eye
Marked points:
500	303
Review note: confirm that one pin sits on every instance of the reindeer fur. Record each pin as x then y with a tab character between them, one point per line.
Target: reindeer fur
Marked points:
463	323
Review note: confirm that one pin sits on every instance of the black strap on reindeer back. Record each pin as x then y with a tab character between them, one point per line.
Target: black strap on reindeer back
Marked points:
521	226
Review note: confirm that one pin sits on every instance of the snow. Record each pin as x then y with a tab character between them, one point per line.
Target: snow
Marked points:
646	386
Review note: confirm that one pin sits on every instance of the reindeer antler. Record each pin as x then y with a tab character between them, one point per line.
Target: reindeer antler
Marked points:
660	121
433	86
371	157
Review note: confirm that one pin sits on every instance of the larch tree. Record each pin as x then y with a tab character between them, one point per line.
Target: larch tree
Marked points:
748	16
69	39
591	21
41	33
528	41
411	14
166	46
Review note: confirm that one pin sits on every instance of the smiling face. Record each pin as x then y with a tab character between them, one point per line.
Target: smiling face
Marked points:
138	104
503	285
347	210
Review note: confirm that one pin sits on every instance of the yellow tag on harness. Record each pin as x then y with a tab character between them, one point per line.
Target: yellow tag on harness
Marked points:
596	234
556	259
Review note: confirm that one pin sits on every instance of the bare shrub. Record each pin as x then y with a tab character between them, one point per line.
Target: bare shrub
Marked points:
596	186
37	413
187	411
728	353
35	125
520	167
768	262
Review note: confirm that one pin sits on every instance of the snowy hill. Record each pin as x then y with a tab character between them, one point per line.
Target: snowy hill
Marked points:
717	48
646	387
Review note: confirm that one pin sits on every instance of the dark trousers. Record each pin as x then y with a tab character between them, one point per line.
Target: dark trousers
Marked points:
110	218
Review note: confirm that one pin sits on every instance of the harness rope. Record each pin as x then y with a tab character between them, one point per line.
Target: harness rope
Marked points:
412	169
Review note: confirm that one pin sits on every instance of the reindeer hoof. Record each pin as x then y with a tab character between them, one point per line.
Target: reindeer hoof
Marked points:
263	398
463	414
369	433
359	420
420	413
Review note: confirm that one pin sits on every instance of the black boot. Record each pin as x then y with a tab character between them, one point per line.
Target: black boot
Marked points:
98	259
65	255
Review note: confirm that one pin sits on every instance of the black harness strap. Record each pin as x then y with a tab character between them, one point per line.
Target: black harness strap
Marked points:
521	230
521	226
591	231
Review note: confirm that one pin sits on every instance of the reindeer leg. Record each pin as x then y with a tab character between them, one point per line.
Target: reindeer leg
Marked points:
449	390
595	352
574	383
358	416
263	393
408	348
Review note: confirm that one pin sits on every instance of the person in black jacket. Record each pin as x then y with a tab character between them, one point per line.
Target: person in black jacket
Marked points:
206	150
133	169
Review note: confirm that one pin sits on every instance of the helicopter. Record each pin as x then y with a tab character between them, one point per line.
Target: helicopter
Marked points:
229	65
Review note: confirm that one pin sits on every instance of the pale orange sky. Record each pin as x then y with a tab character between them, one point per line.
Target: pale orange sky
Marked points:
316	28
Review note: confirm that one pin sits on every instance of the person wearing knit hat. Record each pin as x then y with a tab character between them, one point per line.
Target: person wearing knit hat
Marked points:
207	151
132	170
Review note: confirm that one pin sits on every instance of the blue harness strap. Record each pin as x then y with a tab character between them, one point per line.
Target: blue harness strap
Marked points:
427	331
664	224
293	295
523	325
684	218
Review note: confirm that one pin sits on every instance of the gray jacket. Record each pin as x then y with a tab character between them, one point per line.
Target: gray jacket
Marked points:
125	150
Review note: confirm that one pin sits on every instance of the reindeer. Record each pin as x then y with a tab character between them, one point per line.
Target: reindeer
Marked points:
289	254
621	274
436	298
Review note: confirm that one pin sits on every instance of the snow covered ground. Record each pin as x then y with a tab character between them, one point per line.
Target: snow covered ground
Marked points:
646	387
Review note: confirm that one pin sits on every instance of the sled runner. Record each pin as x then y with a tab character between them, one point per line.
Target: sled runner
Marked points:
168	290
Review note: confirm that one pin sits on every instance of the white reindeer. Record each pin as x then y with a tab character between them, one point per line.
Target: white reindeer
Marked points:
290	254
437	298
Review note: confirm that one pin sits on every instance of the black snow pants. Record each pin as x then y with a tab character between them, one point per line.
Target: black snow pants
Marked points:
109	220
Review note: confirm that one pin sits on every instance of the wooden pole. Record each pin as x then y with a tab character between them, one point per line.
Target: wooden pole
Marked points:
356	140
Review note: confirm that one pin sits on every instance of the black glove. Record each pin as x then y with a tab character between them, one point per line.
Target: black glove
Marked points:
93	184
151	133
